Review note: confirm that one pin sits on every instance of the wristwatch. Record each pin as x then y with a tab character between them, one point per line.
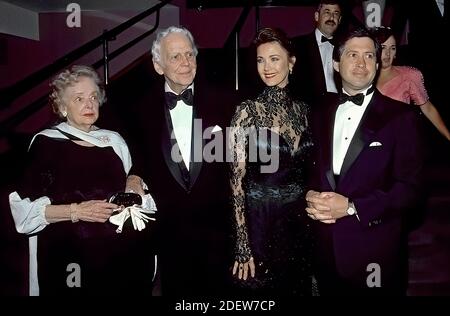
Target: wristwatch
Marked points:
351	210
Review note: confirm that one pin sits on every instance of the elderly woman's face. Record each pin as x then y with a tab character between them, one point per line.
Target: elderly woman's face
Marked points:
81	102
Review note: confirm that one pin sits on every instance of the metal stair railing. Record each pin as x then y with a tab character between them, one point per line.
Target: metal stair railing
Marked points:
11	93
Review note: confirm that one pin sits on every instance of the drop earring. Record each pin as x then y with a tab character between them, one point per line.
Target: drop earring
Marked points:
290	71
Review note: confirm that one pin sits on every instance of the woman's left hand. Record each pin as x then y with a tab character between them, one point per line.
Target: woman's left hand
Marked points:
243	269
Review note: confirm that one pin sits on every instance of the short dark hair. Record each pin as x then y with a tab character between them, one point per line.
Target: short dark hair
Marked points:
331	2
382	33
344	37
268	34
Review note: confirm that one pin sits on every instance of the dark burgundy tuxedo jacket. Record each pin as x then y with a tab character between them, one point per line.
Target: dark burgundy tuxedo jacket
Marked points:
381	174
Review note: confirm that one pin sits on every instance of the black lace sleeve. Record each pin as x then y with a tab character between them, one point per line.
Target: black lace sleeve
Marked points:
238	142
273	110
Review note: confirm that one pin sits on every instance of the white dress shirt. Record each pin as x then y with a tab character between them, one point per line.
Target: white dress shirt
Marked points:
326	54
348	116
181	117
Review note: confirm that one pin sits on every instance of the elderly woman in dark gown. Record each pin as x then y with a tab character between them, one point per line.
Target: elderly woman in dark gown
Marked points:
61	201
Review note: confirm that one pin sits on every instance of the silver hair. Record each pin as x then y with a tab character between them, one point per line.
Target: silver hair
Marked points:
68	78
156	47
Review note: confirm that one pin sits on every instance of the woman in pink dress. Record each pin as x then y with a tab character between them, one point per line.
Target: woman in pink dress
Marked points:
404	83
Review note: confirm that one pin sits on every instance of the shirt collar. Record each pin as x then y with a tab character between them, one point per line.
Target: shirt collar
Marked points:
167	88
362	91
319	35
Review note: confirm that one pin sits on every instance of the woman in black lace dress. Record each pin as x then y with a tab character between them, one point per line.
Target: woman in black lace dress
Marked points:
270	143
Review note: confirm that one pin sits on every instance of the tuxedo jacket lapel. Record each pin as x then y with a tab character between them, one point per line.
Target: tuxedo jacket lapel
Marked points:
328	132
331	180
168	143
186	178
372	120
356	146
446	8
197	145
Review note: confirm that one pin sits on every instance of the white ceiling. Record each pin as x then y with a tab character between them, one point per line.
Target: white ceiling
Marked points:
60	5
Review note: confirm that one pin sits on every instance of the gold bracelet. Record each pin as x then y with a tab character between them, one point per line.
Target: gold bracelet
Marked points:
73	213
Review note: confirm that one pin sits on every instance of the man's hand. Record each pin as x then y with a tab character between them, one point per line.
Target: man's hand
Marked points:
134	184
336	203
318	210
326	206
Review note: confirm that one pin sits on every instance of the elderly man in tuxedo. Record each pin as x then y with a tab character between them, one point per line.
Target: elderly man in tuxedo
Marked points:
366	179
172	128
312	75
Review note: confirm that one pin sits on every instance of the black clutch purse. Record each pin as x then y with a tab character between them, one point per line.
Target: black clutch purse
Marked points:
125	199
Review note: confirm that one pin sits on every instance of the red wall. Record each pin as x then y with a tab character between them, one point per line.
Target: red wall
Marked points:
211	27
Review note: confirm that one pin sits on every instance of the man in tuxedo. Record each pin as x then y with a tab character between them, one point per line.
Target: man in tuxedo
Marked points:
169	138
312	75
425	21
366	178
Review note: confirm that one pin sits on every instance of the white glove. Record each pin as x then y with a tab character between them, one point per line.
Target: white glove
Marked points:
119	220
137	213
138	217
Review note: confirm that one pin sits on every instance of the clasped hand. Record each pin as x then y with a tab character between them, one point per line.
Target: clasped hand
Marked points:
326	207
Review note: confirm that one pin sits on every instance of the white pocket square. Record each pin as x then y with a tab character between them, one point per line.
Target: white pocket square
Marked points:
375	144
216	128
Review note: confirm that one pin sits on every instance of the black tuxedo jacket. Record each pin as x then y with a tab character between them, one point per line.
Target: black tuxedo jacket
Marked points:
425	36
381	174
308	80
192	232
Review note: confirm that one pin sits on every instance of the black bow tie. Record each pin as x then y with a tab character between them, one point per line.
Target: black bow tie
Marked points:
172	98
357	99
324	39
